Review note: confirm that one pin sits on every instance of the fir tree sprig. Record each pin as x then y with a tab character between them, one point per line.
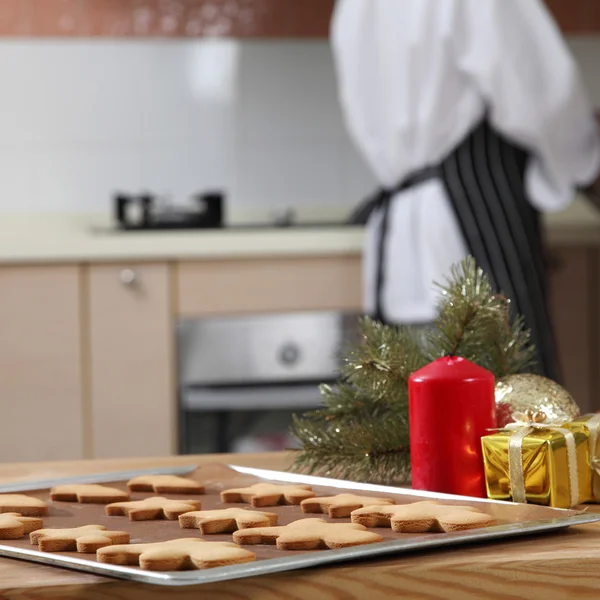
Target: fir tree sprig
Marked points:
475	322
372	450
361	432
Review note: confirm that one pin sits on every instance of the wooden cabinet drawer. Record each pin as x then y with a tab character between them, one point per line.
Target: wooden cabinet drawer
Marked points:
131	340
269	284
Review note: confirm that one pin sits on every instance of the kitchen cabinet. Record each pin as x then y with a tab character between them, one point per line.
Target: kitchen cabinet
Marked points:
269	284
572	292
87	351
41	370
131	357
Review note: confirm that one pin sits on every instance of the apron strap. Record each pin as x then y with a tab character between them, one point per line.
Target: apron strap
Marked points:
382	201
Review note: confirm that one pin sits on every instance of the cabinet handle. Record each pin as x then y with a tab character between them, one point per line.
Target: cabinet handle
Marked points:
128	277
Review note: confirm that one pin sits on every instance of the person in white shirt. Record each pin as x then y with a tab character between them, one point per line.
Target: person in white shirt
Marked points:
472	115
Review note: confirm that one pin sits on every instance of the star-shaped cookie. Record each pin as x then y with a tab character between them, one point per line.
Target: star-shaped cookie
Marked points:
22	504
340	505
153	508
14	526
226	520
86	539
165	484
308	534
421	517
176	555
87	493
268	494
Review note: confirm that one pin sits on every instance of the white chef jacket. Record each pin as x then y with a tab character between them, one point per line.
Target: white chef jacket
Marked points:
414	77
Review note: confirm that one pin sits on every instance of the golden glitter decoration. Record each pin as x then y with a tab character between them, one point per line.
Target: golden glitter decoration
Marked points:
528	392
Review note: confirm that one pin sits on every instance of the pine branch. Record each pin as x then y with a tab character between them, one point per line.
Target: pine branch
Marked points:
376	450
513	351
385	358
475	323
345	403
362	429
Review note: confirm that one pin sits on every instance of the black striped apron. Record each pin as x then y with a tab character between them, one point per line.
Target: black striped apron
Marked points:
484	179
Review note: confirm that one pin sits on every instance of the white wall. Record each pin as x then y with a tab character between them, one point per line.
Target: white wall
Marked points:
80	119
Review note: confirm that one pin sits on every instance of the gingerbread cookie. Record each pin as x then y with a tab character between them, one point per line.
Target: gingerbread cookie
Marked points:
165	484
22	504
340	505
151	509
86	539
176	555
309	534
14	526
87	493
421	517
226	520
268	494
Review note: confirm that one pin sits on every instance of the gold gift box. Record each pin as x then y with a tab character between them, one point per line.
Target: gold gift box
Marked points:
594	453
545	466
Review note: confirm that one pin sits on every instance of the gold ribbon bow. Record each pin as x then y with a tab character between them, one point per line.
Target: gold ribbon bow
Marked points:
526	423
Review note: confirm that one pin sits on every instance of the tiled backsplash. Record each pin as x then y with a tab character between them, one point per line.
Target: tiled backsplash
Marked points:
80	119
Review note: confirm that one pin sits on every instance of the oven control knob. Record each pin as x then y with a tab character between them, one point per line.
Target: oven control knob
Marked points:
289	354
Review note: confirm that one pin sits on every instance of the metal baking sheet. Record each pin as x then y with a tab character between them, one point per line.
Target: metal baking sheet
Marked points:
530	519
46	484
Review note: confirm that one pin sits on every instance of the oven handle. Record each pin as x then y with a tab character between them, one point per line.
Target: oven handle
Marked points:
272	397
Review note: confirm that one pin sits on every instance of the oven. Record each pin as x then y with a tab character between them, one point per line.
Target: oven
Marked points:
242	377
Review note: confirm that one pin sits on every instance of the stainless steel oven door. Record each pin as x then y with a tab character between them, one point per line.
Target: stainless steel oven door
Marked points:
250	367
259	397
254	349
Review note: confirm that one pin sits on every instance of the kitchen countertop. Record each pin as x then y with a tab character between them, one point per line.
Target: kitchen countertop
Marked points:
561	565
81	239
55	238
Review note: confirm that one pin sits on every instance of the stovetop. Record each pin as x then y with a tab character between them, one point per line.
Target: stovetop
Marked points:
240	227
145	213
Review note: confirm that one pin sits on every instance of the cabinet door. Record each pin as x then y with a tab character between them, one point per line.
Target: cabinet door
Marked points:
131	355
40	364
570	302
269	285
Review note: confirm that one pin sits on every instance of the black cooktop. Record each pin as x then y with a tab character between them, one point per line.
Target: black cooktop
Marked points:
145	213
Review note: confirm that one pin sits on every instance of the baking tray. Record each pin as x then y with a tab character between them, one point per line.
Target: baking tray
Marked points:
514	520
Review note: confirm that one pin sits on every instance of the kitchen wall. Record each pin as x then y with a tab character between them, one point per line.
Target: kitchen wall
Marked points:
80	119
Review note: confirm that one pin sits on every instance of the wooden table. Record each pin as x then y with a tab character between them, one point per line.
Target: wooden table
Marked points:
564	565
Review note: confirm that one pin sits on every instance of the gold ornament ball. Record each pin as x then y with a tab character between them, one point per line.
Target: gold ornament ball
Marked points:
519	393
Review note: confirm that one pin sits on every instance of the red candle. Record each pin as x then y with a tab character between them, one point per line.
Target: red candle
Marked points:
451	406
